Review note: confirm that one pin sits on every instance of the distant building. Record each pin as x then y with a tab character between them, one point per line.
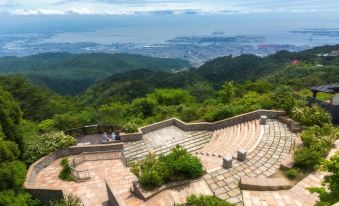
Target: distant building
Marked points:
334	53
331	107
294	61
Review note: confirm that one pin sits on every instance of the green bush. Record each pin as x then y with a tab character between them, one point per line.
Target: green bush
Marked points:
171	96
20	198
330	195
65	173
307	158
129	127
310	116
68	200
142	107
205	200
177	165
292	173
322	137
318	142
9	151
44	144
12	175
283	98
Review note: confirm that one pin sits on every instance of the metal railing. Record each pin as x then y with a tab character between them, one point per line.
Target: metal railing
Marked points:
93	156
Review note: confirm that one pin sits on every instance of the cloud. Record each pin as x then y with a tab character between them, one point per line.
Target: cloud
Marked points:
9	4
165	7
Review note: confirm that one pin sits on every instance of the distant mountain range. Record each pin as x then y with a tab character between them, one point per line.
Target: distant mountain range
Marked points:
71	74
100	78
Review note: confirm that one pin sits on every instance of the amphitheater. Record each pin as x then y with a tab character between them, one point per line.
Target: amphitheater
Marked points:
256	145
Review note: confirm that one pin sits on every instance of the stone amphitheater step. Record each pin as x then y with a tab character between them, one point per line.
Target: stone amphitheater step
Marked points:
193	142
228	140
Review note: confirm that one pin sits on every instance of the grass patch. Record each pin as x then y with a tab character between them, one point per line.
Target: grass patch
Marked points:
66	171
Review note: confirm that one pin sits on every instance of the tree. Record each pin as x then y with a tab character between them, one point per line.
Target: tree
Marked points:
283	98
20	198
143	107
9	151
41	145
227	92
10	114
12	175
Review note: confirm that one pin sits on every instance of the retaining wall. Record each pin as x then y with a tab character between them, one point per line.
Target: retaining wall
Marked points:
201	125
35	168
113	197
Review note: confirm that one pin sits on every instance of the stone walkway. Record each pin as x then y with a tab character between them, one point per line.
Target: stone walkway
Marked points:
296	196
263	161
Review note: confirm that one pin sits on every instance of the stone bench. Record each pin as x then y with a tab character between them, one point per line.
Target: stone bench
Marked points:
264	184
293	125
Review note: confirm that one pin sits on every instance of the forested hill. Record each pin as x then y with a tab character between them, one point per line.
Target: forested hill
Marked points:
251	67
309	69
72	73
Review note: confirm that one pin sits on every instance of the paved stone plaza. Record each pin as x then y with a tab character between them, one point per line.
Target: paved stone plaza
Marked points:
92	192
267	146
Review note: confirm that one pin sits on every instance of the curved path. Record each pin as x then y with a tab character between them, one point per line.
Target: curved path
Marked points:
228	140
264	160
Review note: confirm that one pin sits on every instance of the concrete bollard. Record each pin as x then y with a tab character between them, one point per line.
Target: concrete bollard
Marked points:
241	155
263	120
227	162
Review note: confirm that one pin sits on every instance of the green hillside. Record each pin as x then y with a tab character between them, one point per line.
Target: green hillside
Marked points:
72	73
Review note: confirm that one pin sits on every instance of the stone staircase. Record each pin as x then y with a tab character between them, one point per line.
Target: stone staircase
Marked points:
228	140
193	142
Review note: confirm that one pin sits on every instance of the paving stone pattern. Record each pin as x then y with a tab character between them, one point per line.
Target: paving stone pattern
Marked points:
263	162
298	195
228	140
163	140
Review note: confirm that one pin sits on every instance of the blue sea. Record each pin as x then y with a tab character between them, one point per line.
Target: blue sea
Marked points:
17	33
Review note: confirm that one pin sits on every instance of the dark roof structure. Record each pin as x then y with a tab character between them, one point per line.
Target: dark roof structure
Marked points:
330	88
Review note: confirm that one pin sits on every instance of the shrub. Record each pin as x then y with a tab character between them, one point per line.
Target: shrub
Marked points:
68	200
320	136
171	96
227	92
177	165
318	142
143	107
9	151
330	195
205	200
283	98
129	127
20	198
310	116
221	112
292	173
44	144
12	175
307	158
65	173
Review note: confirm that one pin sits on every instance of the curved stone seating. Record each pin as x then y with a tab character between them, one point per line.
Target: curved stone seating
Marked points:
192	142
264	184
228	140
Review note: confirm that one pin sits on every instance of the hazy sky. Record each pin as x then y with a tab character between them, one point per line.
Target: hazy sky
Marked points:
113	7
